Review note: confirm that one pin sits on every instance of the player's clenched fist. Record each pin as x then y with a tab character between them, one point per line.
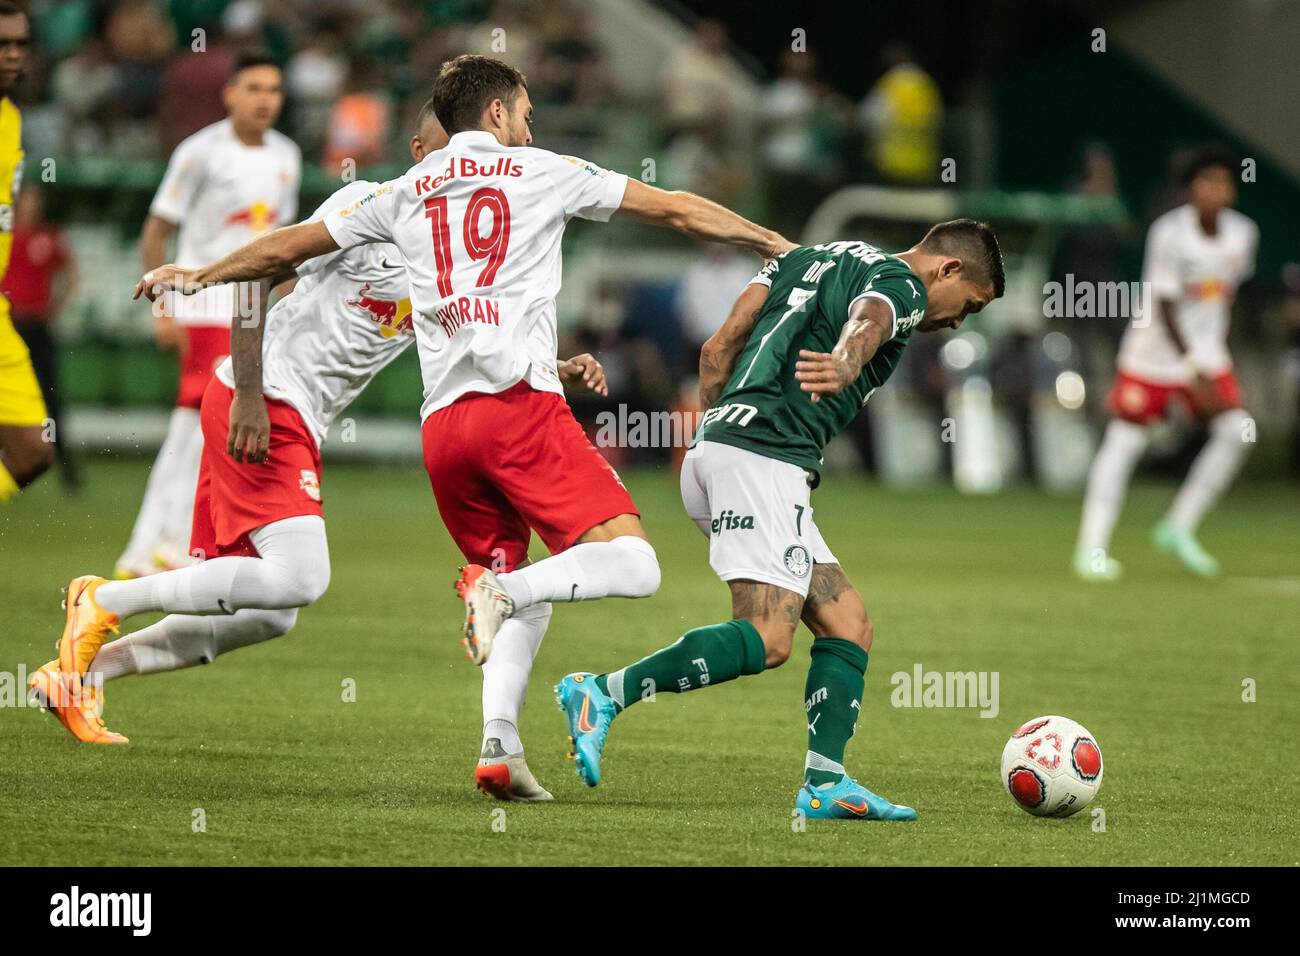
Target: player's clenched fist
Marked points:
163	279
583	371
822	373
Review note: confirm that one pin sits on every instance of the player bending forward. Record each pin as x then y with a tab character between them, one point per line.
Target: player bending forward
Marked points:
806	344
479	226
257	511
223	185
1196	257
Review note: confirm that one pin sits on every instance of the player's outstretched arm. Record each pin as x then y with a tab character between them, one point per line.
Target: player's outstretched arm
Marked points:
276	253
249	436
718	355
700	218
871	322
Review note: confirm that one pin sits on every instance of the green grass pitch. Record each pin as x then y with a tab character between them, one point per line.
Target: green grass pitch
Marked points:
286	772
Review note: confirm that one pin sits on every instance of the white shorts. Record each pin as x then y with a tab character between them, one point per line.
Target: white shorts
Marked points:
756	513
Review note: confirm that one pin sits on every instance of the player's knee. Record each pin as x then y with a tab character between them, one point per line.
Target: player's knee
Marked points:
778	640
26	460
311	582
274	624
1232	424
641	570
861	633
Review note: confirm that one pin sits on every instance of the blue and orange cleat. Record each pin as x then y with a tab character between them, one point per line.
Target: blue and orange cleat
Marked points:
590	712
848	800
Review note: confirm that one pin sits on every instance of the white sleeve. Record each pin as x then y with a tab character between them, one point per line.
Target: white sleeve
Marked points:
180	184
586	190
1252	247
1160	265
767	273
368	219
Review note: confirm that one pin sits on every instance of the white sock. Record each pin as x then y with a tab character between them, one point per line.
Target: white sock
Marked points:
178	515
1212	471
505	674
1108	480
166	475
183	640
623	567
293	571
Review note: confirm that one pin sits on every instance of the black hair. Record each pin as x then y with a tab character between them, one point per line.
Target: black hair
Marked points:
1207	157
467	85
247	59
975	244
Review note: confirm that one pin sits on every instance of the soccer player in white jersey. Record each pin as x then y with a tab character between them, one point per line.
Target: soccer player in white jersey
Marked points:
257	508
224	185
479	225
1196	257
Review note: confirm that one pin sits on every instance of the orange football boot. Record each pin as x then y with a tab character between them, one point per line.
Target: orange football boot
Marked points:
86	628
80	711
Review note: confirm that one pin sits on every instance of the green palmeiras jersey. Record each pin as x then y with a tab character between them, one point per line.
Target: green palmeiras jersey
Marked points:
811	289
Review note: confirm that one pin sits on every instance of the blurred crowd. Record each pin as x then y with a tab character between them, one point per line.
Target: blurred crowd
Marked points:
116	78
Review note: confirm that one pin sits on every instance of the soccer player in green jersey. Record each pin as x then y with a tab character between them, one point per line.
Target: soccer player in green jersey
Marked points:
807	342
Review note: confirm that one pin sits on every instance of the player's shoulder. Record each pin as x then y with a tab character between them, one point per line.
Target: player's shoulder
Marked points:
1240	223
345	196
283	144
1175	221
561	163
208	137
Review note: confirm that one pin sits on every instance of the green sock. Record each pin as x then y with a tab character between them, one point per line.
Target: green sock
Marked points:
707	655
832	698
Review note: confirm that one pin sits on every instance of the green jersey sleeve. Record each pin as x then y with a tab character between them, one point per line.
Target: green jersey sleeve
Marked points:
901	290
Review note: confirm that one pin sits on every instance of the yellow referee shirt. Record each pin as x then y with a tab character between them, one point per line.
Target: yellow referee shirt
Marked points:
20	395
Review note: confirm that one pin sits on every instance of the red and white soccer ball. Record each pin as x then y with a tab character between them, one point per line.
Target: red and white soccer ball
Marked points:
1051	767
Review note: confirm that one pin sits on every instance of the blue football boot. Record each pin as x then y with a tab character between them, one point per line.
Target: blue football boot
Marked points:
590	712
848	800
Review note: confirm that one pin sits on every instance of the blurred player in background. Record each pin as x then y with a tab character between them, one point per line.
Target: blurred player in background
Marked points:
25	449
42	275
479	226
806	344
224	185
257	507
1196	257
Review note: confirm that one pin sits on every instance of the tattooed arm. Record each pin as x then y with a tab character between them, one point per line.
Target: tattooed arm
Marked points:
871	322
719	354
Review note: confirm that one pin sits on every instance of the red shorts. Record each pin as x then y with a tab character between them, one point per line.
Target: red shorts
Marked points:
1137	400
502	464
203	348
234	498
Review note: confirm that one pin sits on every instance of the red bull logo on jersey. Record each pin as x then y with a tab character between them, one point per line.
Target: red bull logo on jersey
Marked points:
393	316
259	217
462	167
1207	290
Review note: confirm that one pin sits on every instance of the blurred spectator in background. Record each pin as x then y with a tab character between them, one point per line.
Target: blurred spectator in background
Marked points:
1291	313
700	151
801	122
315	79
41	277
695	83
192	92
709	287
1093	253
85	88
359	123
902	116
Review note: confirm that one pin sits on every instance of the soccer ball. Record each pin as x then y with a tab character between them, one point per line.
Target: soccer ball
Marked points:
1051	767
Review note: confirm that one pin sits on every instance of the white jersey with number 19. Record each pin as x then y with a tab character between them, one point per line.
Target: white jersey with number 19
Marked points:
479	226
